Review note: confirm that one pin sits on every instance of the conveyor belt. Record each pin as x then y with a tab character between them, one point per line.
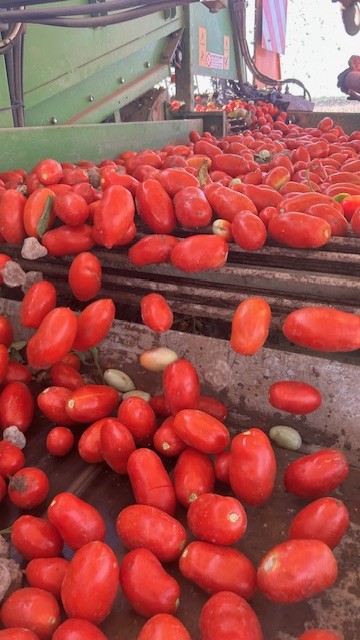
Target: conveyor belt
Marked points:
287	278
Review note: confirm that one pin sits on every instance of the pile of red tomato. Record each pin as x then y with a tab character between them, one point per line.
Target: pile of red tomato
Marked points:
259	112
296	187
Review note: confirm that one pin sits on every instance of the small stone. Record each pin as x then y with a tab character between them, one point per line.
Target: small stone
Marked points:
94	177
14	435
31	278
13	275
32	249
11	577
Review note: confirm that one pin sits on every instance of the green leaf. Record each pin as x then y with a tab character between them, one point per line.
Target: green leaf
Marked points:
43	223
340	196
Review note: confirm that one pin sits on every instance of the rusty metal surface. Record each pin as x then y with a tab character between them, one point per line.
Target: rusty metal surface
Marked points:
336	608
288	278
242	383
348	121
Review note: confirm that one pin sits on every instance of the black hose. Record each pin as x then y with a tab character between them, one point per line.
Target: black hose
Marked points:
19	88
10	4
238	11
14	72
10	38
103	21
9	66
102	7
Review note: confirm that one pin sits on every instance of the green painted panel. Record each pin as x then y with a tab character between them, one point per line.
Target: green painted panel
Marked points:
22	148
73	55
94	89
212	48
64	66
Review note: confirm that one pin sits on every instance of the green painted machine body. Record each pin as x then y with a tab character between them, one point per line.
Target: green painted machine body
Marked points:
84	75
23	147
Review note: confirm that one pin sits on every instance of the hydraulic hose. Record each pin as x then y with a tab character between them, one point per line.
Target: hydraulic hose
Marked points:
238	12
7	42
57	16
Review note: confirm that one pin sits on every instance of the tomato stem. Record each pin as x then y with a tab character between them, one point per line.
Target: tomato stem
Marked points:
95	354
308	179
4	532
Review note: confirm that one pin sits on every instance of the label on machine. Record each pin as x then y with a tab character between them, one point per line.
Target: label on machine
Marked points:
212	60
